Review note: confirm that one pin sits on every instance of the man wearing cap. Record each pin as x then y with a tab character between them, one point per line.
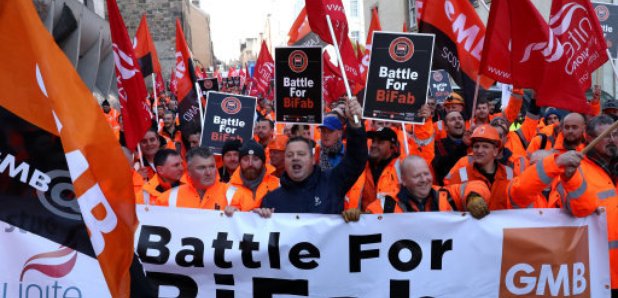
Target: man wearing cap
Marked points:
111	114
486	143
203	189
329	151
229	155
611	108
276	152
382	170
248	186
305	188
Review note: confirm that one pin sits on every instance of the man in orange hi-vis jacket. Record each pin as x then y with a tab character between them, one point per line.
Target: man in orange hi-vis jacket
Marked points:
43	91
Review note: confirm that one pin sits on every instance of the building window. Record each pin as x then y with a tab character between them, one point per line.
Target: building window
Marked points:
355	36
354	8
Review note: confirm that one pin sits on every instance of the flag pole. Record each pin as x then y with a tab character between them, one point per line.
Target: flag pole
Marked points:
405	138
600	137
141	156
476	95
484	4
156	99
341	67
199	103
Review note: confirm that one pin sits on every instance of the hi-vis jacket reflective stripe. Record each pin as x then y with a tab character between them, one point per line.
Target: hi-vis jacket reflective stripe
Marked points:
149	194
498	188
458	193
525	191
387	183
242	197
589	188
186	196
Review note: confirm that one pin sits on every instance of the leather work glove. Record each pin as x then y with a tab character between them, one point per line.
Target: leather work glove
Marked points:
477	206
352	214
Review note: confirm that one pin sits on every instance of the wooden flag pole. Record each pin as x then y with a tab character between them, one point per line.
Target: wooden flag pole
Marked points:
600	137
476	95
199	104
340	60
405	138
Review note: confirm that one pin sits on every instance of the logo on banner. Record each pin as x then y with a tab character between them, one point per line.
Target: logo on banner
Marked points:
545	262
208	84
231	105
124	63
401	49
602	13
180	66
298	61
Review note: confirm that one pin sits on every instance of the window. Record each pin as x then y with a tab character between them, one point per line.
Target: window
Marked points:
355	36
354	8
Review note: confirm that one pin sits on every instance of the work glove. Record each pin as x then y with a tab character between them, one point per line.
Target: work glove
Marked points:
477	206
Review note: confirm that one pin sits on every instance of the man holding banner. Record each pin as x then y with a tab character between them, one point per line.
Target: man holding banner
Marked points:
305	188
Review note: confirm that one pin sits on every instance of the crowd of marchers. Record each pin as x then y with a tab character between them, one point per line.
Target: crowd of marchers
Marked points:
512	157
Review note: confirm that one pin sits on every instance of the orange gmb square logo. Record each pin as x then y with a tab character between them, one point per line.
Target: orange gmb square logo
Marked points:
545	262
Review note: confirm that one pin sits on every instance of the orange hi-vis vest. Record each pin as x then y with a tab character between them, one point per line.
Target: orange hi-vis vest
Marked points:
450	198
388	182
525	190
502	178
186	196
590	188
243	198
149	193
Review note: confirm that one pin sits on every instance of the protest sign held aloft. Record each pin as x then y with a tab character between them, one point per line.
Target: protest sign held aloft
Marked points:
440	85
228	116
298	84
398	76
608	17
211	84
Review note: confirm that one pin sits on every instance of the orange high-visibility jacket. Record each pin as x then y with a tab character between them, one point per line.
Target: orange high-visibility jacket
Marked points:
149	192
241	197
502	178
186	196
388	182
517	141
524	191
557	144
450	198
589	188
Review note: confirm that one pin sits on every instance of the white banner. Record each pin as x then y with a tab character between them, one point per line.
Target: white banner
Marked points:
535	252
32	266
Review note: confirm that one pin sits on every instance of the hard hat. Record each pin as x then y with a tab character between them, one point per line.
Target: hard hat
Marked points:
453	99
486	133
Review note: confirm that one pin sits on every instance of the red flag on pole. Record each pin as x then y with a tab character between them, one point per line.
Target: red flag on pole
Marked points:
333	87
576	25
43	91
146	54
264	70
300	28
536	59
132	94
184	82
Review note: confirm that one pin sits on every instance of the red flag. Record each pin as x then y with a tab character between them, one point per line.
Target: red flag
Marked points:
217	75
359	53
405	27
537	58
316	13
576	25
243	76
300	28
333	87
184	82
132	93
264	70
173	82
459	42
146	54
44	92
374	25
230	72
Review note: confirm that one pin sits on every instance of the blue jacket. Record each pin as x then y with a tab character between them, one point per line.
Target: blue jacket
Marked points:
323	191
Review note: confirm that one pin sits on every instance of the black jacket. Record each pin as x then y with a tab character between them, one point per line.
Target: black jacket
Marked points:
323	191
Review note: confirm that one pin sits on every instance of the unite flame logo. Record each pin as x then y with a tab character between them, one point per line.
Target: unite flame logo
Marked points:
545	262
55	264
124	63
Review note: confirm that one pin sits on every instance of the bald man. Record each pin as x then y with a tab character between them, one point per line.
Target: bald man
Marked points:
569	137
